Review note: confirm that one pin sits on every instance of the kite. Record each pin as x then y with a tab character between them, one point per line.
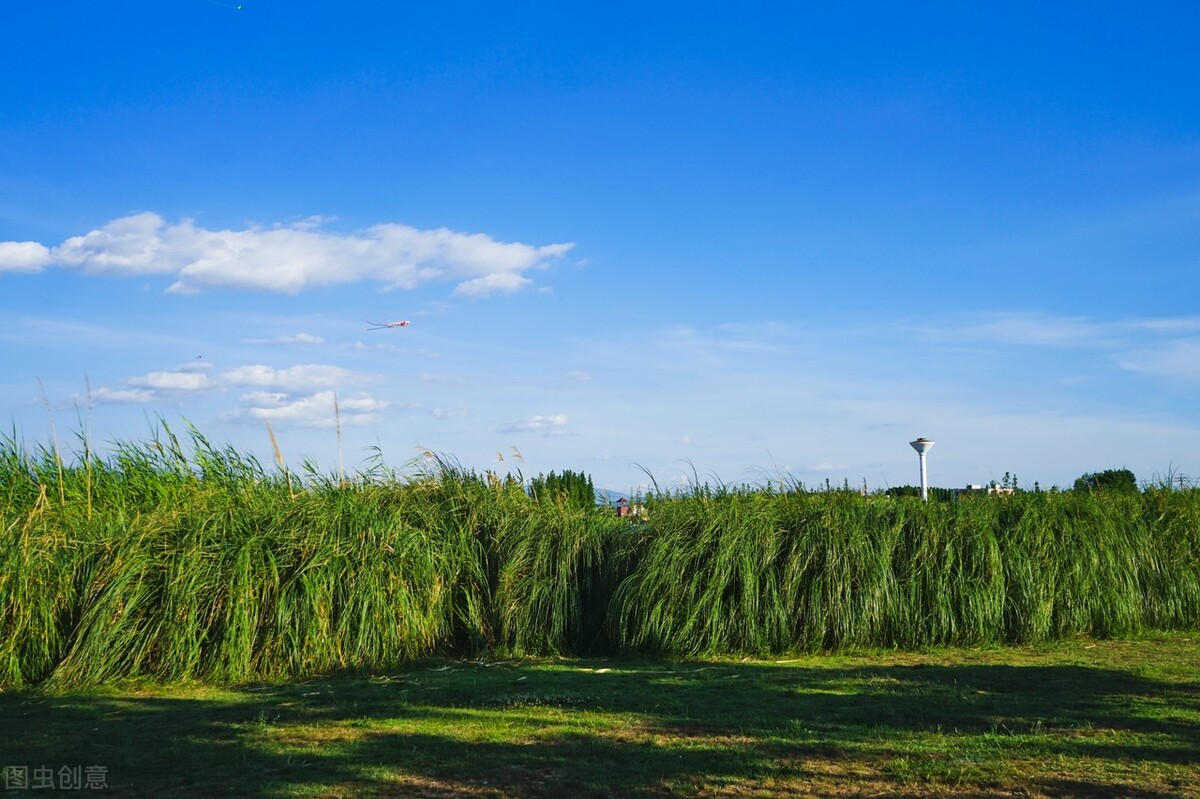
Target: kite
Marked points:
225	5
386	325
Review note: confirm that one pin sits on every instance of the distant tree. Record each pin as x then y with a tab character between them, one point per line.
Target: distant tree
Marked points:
935	494
1009	481
573	488
1108	480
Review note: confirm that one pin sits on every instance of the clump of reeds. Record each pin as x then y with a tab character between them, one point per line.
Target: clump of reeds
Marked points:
759	571
199	563
175	558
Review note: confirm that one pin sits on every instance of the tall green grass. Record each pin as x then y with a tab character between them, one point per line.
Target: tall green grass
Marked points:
175	559
755	571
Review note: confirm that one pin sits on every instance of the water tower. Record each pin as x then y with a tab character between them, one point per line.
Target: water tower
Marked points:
922	445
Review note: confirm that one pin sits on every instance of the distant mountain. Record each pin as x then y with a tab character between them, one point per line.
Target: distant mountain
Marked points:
607	496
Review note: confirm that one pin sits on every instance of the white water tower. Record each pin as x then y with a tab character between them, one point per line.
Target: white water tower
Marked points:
922	445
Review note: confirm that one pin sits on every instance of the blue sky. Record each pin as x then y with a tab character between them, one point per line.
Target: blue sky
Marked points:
776	239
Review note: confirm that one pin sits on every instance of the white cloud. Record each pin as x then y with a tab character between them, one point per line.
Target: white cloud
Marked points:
505	282
171	381
158	386
549	425
141	244
453	412
579	374
305	377
289	258
120	396
23	256
313	410
299	338
274	395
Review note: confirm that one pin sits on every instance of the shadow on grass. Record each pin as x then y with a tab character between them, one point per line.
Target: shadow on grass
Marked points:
613	728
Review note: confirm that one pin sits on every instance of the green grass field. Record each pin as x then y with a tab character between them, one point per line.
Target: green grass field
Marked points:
1078	718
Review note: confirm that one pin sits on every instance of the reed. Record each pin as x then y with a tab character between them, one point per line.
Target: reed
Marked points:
758	571
176	558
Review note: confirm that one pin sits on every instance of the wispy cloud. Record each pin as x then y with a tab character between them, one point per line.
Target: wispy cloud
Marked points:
1019	328
298	338
733	339
1159	346
554	424
288	258
1047	330
441	379
1178	359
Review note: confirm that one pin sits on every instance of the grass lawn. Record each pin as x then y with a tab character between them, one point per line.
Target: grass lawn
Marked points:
1074	719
